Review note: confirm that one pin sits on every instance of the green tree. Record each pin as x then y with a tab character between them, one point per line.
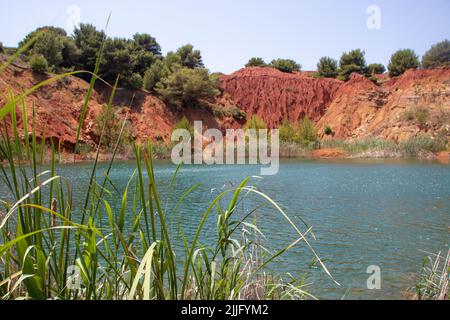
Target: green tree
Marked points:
352	61
287	131
89	41
144	52
189	57
38	63
401	61
187	87
256	62
285	65
327	67
184	124
255	123
116	61
306	132
154	74
136	81
437	56
376	68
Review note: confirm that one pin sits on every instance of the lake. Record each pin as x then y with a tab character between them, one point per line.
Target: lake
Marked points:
363	212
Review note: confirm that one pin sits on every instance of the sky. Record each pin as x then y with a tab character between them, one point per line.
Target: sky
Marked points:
229	33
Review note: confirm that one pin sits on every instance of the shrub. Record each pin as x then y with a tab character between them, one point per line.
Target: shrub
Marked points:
401	61
327	67
306	132
38	63
136	81
376	68
108	126
422	142
154	74
255	123
437	56
2	49
256	62
346	71
189	57
328	130
285	65
287	131
186	87
184	124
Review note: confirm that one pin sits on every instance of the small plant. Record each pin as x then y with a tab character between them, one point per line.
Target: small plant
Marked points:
38	63
306	132
433	283
184	124
136	82
328	130
255	123
401	61
287	131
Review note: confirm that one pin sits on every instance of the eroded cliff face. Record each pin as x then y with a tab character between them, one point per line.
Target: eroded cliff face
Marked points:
354	109
275	96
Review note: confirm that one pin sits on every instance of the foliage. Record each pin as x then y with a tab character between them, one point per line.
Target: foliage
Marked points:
256	62
108	126
38	63
433	283
376	68
187	87
437	56
285	65
328	130
89	41
306	132
287	131
353	61
2	49
327	67
189	57
423	142
401	61
116	61
154	74
255	123
136	81
184	124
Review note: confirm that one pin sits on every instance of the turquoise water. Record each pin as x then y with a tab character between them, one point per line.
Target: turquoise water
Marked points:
363	213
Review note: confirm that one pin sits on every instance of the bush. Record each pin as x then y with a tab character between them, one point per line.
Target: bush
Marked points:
136	81
256	62
401	61
355	57
414	145
38	63
2	49
189	57
187	87
327	67
285	65
306	132
255	123
154	74
328	130
108	126
376	68
287	131
437	56
184	124
346	71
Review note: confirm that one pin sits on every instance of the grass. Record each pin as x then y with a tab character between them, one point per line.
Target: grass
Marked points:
123	251
433	283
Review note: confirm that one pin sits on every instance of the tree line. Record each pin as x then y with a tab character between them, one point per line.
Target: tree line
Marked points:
354	61
179	77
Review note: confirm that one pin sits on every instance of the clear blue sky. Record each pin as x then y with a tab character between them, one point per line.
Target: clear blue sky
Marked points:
230	32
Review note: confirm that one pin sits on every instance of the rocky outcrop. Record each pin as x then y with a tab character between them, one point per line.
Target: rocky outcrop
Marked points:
275	96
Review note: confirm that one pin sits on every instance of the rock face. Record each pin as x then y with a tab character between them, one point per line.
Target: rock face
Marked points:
275	96
395	109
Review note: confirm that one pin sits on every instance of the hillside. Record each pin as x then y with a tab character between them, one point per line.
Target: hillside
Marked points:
418	101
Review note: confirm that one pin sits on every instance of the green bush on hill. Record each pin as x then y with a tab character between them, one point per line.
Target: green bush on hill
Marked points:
327	67
256	62
352	61
136	81
401	61
38	63
437	56
285	65
187	87
376	68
